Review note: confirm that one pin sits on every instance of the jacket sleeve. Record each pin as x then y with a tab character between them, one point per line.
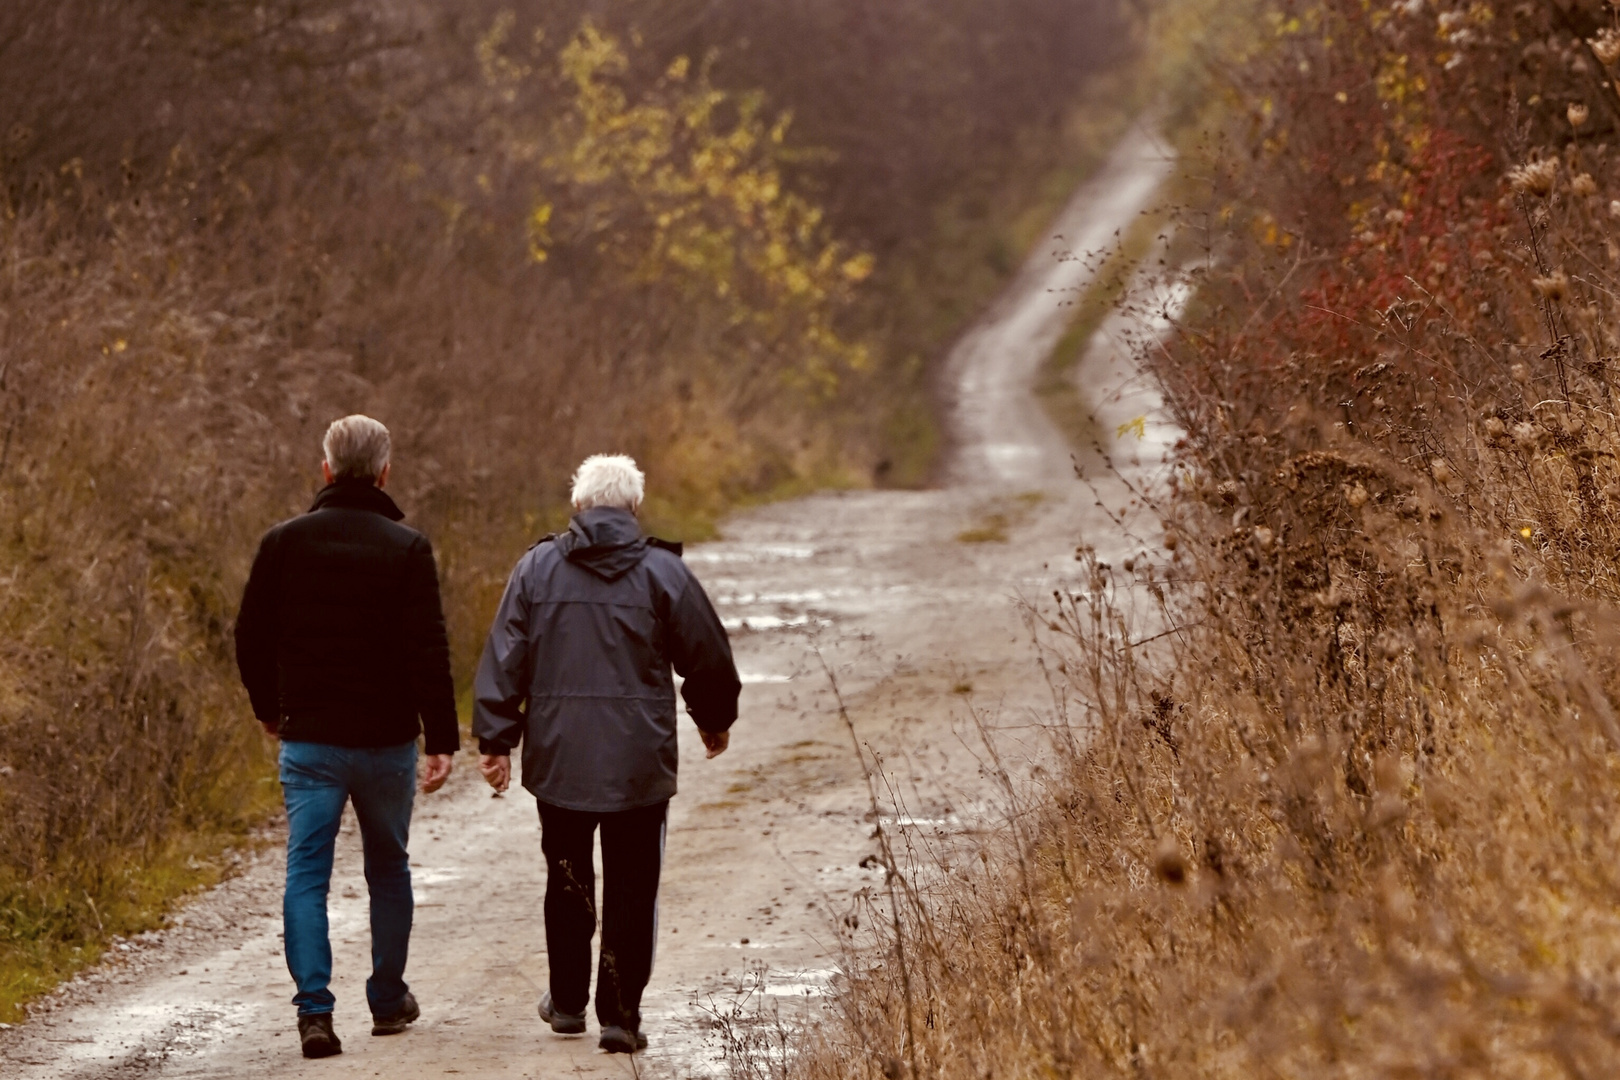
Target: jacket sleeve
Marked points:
501	687
432	688
256	625
701	654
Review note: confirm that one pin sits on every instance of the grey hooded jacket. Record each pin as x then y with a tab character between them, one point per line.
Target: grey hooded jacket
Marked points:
578	662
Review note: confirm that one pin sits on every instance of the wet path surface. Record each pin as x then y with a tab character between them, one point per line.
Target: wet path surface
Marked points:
907	596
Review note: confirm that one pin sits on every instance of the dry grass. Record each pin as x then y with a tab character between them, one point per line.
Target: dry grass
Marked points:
992	529
1112	273
998	518
1333	789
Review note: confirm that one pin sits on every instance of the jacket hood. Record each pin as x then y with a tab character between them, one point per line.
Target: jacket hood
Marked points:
604	540
351	494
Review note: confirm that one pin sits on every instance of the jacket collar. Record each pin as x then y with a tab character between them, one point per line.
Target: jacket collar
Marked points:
605	540
351	494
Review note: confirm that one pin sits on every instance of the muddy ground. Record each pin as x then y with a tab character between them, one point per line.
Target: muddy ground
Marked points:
911	599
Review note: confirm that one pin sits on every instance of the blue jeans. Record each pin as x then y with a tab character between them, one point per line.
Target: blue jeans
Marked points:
316	780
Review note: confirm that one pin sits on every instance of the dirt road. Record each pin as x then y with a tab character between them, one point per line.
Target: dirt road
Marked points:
908	595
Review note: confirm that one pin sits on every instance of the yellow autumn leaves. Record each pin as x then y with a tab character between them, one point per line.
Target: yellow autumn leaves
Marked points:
680	186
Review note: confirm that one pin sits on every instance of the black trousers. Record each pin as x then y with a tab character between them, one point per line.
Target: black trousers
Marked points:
632	856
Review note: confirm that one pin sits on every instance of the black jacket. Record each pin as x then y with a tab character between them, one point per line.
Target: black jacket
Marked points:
341	636
578	666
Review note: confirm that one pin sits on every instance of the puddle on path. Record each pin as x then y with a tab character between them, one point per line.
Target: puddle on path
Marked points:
906	821
759	623
719	553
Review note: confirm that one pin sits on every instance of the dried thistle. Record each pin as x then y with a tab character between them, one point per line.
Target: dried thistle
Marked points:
1534	177
1553	287
1583	185
1578	114
1606	46
1168	862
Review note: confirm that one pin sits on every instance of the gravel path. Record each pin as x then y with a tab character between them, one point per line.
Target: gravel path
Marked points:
765	844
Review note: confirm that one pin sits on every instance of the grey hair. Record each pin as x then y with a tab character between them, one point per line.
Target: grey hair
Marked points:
357	447
609	480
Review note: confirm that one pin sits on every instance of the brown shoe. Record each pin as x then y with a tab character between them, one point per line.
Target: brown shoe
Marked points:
562	1023
316	1034
618	1040
399	1020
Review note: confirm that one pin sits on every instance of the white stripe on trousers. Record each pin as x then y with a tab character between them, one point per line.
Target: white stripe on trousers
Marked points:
663	834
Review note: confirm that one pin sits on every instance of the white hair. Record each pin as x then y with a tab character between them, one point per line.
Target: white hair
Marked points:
357	447
609	480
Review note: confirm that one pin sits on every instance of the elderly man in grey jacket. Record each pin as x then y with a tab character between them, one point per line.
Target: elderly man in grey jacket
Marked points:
578	668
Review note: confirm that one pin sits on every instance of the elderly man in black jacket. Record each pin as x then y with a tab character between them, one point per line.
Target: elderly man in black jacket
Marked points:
341	644
578	668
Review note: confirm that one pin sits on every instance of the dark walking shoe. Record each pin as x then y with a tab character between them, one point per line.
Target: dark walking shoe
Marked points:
618	1040
562	1023
316	1034
399	1020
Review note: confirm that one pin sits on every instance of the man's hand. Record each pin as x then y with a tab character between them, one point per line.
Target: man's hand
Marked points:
497	769
436	773
270	729
715	741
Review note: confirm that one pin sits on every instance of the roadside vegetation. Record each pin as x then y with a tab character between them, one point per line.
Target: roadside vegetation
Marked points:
728	238
1334	791
1114	272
